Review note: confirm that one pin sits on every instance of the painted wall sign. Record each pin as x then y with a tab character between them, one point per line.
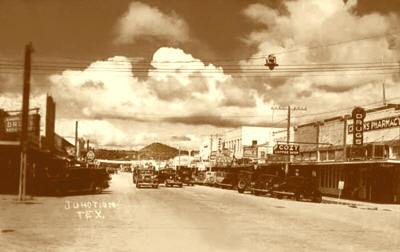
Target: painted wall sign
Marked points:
12	124
378	124
358	115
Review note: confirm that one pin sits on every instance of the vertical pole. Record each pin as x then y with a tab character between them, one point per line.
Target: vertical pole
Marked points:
288	141
179	156
383	94
76	140
24	127
209	157
345	138
87	145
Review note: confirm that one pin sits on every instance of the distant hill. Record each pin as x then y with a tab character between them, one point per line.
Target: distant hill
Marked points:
159	151
115	154
152	151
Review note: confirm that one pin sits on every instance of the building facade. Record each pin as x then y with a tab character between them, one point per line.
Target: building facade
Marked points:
210	146
251	142
370	172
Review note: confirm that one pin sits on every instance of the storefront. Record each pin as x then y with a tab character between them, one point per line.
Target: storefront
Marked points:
370	171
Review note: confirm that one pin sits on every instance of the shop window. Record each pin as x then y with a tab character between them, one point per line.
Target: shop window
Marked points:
396	152
313	156
379	151
331	155
322	155
306	156
339	155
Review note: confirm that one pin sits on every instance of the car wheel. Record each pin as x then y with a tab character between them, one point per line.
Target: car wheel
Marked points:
241	186
137	185
180	185
97	189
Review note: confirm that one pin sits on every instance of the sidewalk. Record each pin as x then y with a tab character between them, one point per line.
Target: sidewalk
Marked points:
361	204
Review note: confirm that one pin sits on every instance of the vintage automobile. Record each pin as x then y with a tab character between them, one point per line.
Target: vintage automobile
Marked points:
245	177
169	177
200	177
186	175
263	184
210	178
146	177
258	178
77	179
299	187
228	179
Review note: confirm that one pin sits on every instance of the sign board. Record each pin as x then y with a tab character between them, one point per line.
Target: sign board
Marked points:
287	149
384	123
358	115
340	184
90	155
13	124
249	152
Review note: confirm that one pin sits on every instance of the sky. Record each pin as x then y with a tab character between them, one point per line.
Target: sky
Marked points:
137	72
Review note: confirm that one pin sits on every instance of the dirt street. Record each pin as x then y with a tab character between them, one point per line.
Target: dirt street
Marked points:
195	218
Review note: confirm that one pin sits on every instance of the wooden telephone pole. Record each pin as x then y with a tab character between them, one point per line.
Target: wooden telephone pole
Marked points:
289	109
24	141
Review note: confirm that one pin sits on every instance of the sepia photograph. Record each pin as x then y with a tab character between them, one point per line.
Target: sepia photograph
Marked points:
192	126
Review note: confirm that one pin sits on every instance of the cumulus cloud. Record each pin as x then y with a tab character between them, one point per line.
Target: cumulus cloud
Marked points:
143	21
179	90
298	36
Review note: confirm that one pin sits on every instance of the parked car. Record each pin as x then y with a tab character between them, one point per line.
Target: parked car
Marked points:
244	180
264	184
200	177
79	180
170	177
228	179
146	177
211	178
186	175
298	187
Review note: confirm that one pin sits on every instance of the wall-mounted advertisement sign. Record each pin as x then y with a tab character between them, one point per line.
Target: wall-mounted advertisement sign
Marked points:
358	115
13	124
384	123
249	152
287	149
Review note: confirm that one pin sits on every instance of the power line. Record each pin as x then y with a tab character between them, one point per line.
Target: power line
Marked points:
140	59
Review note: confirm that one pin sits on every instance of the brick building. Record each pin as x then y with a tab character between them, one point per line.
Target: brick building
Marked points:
370	172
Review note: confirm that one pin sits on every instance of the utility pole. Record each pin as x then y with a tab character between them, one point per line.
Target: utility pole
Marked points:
179	156
24	141
383	94
76	140
289	109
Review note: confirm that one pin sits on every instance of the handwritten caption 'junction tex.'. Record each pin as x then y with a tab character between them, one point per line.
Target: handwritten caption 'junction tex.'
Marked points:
89	209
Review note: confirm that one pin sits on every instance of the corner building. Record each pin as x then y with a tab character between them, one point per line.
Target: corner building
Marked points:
370	172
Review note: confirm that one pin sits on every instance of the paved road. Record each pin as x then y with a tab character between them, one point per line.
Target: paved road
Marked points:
190	219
